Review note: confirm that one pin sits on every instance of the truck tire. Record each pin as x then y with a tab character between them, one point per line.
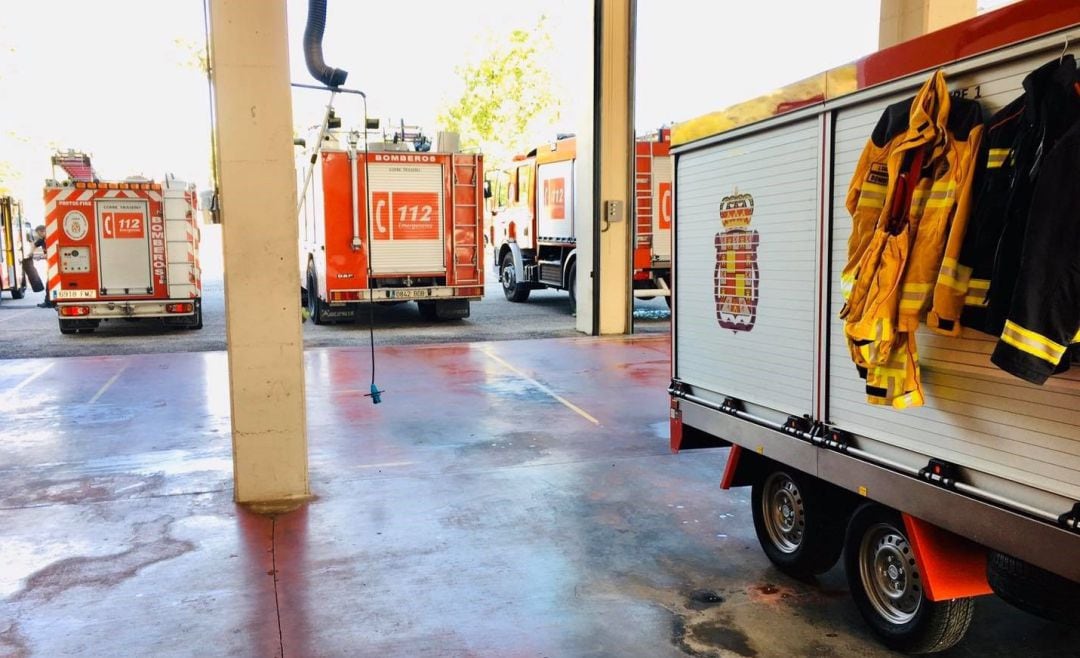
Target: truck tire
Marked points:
795	526
1033	590
571	286
314	304
68	327
196	319
427	311
515	291
886	586
444	310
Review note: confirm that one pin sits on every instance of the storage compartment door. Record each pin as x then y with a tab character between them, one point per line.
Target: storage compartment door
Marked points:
407	218
555	204
746	229
123	246
975	415
661	194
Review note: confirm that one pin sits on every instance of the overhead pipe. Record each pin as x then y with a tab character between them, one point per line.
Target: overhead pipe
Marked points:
313	53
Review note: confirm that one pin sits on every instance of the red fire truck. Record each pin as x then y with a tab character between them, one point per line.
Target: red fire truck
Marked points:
120	249
383	222
14	248
652	198
534	241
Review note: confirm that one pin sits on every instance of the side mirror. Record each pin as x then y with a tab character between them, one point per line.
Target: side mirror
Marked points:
487	189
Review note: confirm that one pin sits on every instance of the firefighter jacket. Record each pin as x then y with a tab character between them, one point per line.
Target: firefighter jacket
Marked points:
1017	140
1043	316
909	200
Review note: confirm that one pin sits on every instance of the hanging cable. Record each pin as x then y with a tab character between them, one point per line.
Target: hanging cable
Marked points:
375	394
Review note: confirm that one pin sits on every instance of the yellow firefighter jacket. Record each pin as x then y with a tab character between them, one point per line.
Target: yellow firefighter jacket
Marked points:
909	200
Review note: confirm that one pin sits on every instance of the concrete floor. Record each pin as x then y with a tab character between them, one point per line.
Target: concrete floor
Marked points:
506	499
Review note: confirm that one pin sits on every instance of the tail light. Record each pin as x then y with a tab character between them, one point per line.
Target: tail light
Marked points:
74	311
183	307
347	296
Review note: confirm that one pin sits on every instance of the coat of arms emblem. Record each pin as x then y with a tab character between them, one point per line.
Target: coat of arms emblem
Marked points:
736	274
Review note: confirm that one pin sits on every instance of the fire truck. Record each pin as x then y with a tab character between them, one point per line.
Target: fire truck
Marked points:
120	250
533	232
14	248
652	207
385	220
972	487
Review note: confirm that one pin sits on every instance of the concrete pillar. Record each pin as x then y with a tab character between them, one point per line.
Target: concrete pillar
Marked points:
605	174
902	20
250	64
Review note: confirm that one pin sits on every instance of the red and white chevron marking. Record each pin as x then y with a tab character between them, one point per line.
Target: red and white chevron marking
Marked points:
52	228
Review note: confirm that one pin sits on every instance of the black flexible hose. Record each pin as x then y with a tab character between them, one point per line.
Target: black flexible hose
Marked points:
313	54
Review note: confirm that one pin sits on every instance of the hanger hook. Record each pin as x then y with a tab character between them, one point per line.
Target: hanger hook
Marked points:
1064	50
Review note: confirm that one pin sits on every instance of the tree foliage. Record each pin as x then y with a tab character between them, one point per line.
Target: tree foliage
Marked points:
508	100
8	172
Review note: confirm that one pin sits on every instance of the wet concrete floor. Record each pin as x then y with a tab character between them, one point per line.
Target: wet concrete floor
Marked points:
506	499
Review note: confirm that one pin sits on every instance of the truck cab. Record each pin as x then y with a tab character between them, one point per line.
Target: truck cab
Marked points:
534	242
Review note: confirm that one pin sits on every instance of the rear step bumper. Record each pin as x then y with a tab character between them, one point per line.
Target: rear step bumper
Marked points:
416	294
128	309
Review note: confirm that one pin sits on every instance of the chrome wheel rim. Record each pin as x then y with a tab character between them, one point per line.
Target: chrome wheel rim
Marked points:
784	512
508	278
889	574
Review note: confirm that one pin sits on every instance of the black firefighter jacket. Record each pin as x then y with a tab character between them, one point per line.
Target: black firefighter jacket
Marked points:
1043	316
999	257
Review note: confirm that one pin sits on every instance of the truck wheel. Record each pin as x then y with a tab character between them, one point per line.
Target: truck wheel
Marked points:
571	285
314	304
515	291
793	522
66	327
1032	589
196	320
428	312
888	591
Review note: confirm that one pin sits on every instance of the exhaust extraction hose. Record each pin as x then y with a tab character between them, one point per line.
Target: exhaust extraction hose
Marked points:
313	54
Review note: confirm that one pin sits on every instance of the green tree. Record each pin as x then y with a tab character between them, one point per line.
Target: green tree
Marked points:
8	172
508	100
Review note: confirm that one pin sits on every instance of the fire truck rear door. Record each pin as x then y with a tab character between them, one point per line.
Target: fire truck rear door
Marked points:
123	246
407	209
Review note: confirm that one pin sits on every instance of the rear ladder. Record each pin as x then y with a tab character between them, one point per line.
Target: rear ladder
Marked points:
465	220
643	201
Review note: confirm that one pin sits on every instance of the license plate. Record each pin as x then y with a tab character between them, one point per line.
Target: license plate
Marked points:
76	294
411	293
